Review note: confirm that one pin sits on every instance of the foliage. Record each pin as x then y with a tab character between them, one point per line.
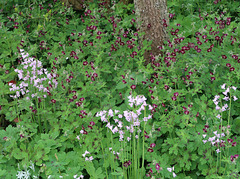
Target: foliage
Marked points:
76	99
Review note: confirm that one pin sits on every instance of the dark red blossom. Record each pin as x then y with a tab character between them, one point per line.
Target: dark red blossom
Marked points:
146	136
197	114
53	100
224	56
230	140
150	150
213	78
232	69
228	65
92	123
152	145
133	87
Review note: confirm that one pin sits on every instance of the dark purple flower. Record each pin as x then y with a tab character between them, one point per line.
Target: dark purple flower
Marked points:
150	150
133	87
152	145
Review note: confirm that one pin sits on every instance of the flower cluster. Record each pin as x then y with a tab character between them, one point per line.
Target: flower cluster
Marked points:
215	140
34	64
115	153
75	176
233	157
86	158
171	170
26	174
130	116
127	163
226	98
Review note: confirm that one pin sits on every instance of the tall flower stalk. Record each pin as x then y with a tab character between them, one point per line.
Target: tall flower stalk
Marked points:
34	77
132	123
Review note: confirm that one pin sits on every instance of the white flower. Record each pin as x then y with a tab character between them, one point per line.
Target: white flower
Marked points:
225	106
223	109
218	116
32	166
115	130
233	87
120	124
131	105
204	141
226	98
216	98
20	174
211	139
170	169
116	111
150	107
90	158
86	152
223	86
174	175
234	98
131	100
110	113
120	116
225	92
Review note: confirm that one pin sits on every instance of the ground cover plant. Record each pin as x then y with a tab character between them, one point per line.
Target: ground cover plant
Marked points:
76	100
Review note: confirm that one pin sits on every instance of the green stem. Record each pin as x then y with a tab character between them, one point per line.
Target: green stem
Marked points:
143	143
104	159
113	154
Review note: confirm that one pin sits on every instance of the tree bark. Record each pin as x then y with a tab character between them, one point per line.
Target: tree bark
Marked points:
152	12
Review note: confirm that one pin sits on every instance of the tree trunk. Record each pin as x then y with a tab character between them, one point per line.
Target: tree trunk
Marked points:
152	12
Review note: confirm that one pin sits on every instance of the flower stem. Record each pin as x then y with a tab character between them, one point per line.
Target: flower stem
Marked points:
143	144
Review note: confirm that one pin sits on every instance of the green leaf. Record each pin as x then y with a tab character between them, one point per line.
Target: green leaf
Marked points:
3	172
121	85
17	154
236	125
